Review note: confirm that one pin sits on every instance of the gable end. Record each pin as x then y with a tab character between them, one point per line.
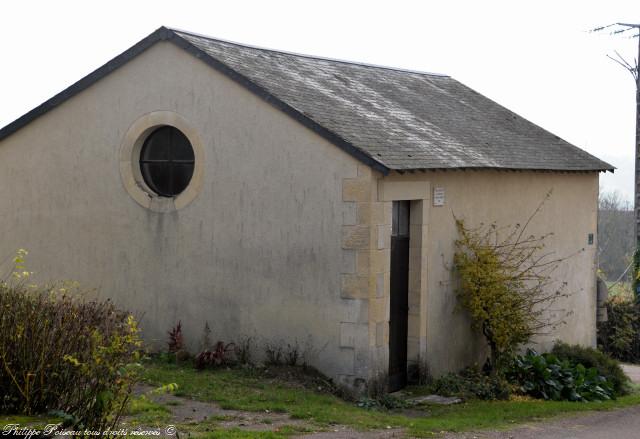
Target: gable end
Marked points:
165	34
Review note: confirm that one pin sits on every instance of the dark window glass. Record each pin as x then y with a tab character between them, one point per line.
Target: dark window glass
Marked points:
400	218
166	161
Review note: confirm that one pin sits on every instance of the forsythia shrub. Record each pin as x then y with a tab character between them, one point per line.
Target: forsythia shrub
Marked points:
506	285
61	353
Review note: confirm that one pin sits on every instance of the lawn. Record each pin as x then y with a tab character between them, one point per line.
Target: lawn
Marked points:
283	408
34	422
249	390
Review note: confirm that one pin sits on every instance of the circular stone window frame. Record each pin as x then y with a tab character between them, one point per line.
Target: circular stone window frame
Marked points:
131	174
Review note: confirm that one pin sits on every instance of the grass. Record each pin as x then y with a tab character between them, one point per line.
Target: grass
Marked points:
248	390
36	422
478	415
210	429
143	411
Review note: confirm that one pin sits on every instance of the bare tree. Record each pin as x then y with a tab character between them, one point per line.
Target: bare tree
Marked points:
615	234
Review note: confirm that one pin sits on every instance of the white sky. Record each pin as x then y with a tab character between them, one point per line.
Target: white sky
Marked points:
534	57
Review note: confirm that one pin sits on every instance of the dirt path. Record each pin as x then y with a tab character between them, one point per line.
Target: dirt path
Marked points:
186	411
632	371
615	424
341	432
188	415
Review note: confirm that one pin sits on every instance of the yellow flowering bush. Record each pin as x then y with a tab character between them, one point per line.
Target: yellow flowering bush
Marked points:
506	285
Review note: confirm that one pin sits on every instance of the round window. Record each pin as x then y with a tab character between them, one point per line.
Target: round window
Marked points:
167	161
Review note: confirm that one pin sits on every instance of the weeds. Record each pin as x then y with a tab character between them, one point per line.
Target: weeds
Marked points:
273	353
244	351
279	354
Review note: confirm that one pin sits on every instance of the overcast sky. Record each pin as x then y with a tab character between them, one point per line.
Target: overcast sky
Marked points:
535	57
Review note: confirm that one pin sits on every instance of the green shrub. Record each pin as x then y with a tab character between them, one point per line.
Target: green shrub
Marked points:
60	353
619	336
383	401
590	357
471	383
547	377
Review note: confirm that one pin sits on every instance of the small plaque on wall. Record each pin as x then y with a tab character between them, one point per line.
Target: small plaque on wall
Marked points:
438	196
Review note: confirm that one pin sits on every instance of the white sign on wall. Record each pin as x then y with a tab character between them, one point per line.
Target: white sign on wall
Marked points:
438	196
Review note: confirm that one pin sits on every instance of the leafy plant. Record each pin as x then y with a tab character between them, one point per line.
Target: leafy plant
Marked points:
470	383
590	357
384	401
506	285
60	352
221	355
176	339
547	377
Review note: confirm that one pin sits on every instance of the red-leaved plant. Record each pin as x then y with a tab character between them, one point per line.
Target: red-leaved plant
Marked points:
221	355
176	339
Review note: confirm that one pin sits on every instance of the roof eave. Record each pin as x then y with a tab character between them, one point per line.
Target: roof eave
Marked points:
609	168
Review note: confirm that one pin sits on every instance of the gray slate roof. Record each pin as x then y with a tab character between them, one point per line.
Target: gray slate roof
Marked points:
402	119
388	118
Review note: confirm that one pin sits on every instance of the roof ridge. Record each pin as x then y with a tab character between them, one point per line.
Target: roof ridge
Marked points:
303	55
427	139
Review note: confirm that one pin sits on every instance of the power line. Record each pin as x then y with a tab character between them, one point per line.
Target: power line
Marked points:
624	29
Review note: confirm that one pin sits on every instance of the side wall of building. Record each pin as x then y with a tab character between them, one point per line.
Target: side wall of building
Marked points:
440	336
258	252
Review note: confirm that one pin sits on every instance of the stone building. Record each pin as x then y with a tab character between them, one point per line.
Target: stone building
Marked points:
288	197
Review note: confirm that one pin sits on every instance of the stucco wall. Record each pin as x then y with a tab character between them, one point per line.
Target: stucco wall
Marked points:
257	253
288	237
507	198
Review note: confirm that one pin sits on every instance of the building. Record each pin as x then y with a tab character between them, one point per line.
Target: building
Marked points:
262	192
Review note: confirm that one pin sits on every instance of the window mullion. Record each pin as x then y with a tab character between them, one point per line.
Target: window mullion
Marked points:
170	163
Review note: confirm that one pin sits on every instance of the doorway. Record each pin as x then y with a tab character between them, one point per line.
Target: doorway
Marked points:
399	296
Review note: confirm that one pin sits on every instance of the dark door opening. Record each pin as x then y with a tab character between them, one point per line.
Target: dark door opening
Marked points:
399	300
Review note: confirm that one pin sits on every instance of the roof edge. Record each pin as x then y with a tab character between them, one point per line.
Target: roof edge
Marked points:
161	33
276	102
610	168
305	55
165	34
